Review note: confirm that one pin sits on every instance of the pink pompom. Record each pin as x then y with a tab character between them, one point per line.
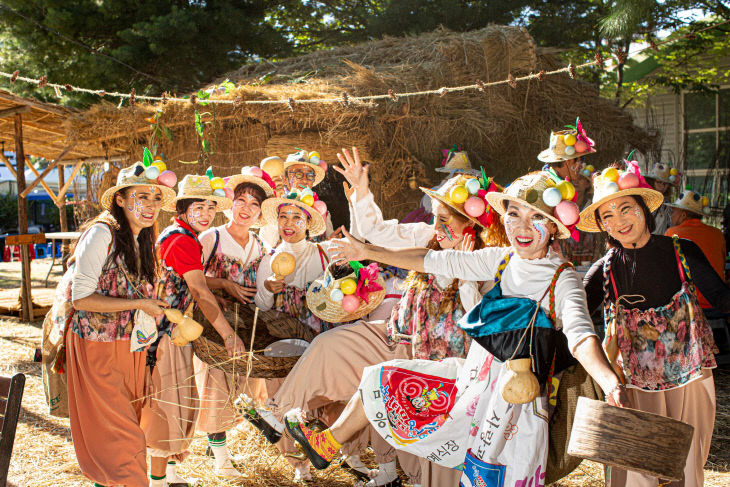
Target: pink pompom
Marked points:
167	178
323	165
321	207
628	180
255	171
567	212
350	303
580	146
474	206
229	193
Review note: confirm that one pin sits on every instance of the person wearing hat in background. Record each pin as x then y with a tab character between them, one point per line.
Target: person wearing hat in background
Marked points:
423	324
456	401
301	170
687	213
104	305
657	337
169	420
233	253
662	178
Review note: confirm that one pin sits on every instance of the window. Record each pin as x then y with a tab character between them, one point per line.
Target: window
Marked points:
707	150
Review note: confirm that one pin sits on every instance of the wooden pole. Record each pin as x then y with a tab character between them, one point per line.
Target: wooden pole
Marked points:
26	300
61	203
39	178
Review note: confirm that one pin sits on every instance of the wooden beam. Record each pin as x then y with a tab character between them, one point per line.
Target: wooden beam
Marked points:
12	111
26	301
45	107
63	217
62	191
36	126
10	167
39	178
27	239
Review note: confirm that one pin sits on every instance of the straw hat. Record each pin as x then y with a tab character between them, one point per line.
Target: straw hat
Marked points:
457	191
567	144
254	175
690	201
538	191
320	293
135	176
270	210
311	160
198	187
612	184
456	160
662	172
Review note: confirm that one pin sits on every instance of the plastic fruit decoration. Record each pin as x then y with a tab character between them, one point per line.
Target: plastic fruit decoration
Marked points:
521	385
283	264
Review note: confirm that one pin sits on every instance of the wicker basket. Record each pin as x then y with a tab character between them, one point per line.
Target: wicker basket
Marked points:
272	326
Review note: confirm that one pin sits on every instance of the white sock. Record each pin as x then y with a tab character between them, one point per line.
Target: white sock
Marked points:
174	478
268	416
386	474
355	462
158	482
223	465
301	472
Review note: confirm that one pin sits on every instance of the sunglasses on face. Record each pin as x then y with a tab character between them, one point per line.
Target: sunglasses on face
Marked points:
299	174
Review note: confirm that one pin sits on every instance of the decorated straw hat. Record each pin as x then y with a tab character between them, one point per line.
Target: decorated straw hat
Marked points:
613	183
361	290
539	191
273	166
467	195
142	174
663	172
568	144
311	160
455	160
253	175
691	201
202	187
306	200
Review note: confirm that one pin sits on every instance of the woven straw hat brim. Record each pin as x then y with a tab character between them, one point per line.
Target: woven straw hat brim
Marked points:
664	180
222	202
318	171
168	194
237	179
587	223
685	208
333	312
549	156
497	200
443	199
270	216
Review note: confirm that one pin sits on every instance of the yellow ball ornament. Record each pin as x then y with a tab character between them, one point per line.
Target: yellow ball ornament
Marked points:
459	194
160	165
307	199
611	174
705	201
590	168
569	139
217	183
673	172
348	286
314	154
567	190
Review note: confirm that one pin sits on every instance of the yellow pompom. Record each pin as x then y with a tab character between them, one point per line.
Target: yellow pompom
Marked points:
307	199
217	183
705	201
567	190
569	139
314	154
611	174
348	286
159	164
459	194
673	172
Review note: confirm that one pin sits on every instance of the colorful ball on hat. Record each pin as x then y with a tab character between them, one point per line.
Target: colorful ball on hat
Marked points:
567	212
567	190
552	196
610	188
350	303
219	192
323	165
586	173
313	157
229	193
474	206
167	178
307	191
569	139
672	178
159	165
706	210
611	174
458	194
569	150
580	146
256	171
705	201
590	168
307	199
348	286
628	180
336	295
217	183
152	172
321	207
673	171
472	185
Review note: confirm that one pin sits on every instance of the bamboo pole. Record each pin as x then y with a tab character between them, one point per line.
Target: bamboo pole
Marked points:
26	300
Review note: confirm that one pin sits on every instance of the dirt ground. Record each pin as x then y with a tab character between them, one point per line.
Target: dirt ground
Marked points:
43	454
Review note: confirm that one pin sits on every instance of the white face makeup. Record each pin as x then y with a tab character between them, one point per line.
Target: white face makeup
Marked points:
448	229
528	231
246	210
293	223
200	215
141	206
299	176
623	219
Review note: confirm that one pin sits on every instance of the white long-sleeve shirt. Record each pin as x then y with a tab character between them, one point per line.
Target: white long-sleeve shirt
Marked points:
90	255
523	278
389	233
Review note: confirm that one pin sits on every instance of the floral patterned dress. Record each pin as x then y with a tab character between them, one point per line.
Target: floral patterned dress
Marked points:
231	267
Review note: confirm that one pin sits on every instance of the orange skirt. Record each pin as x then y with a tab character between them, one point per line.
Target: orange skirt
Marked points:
106	386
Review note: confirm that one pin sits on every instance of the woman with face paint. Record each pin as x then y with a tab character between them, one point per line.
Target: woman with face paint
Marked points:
422	324
233	253
169	420
657	336
468	422
99	306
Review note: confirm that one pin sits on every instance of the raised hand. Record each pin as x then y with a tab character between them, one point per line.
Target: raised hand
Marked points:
353	170
348	248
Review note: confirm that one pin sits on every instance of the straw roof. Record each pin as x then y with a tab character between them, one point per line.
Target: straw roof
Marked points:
502	128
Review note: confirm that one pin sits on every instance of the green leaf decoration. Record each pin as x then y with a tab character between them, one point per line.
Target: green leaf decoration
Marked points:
630	155
485	181
198	124
206	146
168	133
356	266
209	172
147	159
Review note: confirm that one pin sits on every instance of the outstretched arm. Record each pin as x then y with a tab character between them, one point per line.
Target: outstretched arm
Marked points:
351	248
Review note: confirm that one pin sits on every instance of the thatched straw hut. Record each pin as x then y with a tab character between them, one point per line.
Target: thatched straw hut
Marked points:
502	128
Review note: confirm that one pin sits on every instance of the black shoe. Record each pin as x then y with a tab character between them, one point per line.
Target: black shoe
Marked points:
295	431
253	417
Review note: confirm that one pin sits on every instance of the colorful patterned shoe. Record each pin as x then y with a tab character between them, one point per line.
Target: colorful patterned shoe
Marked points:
320	448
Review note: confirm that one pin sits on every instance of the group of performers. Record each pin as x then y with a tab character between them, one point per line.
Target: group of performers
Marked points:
418	327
